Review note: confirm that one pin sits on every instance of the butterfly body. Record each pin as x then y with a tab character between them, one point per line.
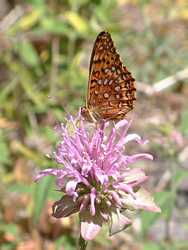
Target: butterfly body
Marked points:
111	88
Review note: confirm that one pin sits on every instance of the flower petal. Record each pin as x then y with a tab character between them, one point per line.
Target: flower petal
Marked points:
115	197
126	188
90	225
92	199
119	223
136	157
89	230
134	177
49	171
85	202
145	201
142	200
121	123
86	168
71	186
131	137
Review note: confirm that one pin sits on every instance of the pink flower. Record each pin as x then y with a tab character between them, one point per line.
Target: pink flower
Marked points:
97	179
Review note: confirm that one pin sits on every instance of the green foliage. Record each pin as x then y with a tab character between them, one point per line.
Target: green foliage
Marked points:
152	246
10	228
28	53
165	200
40	195
67	242
184	122
5	153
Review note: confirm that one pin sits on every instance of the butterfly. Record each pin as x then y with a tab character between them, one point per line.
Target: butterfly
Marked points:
111	88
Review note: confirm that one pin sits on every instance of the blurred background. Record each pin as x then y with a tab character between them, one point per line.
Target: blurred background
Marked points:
45	50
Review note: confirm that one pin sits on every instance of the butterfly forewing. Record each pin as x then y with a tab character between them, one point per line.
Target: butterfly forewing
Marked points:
111	89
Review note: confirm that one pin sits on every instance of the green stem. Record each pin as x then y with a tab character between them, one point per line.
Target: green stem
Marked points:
82	244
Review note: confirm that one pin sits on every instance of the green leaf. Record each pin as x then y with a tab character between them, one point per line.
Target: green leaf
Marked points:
77	22
8	246
28	84
152	246
5	154
36	2
55	26
40	195
162	199
49	133
9	228
179	176
19	188
7	90
28	53
29	20
184	122
66	241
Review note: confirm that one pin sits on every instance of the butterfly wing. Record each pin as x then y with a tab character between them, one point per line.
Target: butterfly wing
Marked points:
111	88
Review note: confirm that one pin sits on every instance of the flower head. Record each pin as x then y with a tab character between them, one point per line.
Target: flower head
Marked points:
97	179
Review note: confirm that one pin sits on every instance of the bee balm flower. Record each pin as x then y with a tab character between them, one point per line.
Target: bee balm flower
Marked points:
97	178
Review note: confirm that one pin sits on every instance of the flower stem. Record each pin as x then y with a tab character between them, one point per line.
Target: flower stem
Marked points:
82	244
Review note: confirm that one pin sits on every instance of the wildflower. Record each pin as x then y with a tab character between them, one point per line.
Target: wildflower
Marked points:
97	179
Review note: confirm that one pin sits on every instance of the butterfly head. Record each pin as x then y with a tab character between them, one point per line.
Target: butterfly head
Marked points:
88	115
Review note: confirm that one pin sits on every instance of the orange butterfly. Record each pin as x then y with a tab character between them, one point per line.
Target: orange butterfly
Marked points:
111	87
